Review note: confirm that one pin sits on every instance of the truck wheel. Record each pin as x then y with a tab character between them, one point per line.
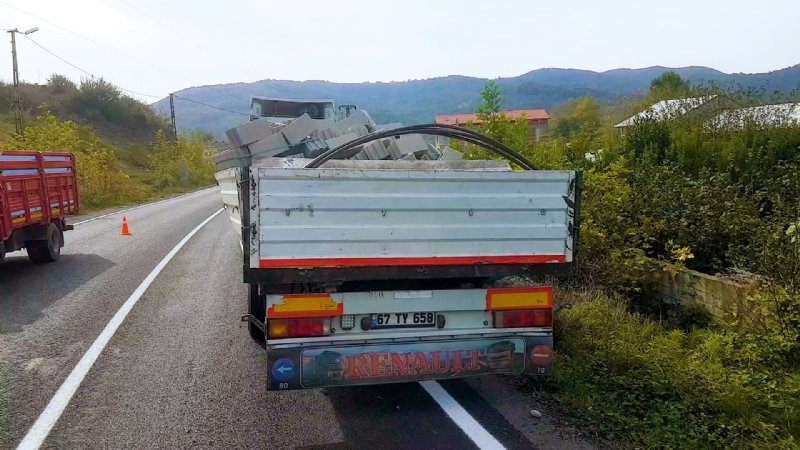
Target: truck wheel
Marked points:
48	250
257	308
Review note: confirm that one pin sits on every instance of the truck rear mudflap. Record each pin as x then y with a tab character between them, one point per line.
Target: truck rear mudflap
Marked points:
354	362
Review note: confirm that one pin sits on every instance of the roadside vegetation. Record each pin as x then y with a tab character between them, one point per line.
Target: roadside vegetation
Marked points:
716	199
121	146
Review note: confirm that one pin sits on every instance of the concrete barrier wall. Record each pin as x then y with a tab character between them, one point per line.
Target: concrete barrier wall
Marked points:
719	295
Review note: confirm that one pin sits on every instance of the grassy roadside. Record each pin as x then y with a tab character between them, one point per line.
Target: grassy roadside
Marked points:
632	379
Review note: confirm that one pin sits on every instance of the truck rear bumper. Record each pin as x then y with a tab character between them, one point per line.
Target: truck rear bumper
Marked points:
356	362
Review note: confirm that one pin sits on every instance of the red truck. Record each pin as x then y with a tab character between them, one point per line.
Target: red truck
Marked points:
37	192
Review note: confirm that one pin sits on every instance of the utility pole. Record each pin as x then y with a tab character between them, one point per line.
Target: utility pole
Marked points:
17	99
172	116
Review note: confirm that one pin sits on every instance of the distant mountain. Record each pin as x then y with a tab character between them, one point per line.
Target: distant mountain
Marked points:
419	101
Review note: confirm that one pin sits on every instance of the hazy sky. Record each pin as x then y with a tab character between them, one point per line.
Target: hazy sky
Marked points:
154	47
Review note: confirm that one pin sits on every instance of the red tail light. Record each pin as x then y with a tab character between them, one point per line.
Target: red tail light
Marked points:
298	328
523	319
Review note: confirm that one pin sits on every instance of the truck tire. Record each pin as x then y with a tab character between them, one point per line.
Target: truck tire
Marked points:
48	250
257	307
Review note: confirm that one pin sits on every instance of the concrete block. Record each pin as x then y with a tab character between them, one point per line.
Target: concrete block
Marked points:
406	144
409	157
312	148
299	129
359	130
250	132
360	155
448	154
272	144
376	150
431	154
356	119
343	139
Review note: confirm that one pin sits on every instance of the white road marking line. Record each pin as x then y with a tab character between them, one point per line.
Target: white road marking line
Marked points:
39	431
92	219
482	438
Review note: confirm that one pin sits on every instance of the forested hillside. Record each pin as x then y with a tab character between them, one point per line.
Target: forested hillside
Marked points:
123	150
418	101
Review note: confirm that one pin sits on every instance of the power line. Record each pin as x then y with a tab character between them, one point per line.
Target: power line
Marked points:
86	38
128	90
211	106
98	43
86	71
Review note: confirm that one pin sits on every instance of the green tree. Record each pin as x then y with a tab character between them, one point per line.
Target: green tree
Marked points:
648	140
513	133
491	100
668	85
578	116
60	84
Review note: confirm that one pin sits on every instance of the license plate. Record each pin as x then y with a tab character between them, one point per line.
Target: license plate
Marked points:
404	320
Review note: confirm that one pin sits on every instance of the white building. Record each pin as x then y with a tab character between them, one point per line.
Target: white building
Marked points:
766	116
669	109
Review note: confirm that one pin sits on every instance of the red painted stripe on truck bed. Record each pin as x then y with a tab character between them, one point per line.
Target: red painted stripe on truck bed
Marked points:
408	261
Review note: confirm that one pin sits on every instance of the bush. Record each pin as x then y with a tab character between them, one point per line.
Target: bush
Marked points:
707	388
102	181
186	162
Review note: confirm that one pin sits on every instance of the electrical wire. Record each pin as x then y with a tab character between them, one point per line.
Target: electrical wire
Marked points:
91	75
134	58
128	90
86	38
210	106
464	134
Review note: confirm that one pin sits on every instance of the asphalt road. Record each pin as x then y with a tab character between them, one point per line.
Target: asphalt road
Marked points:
181	370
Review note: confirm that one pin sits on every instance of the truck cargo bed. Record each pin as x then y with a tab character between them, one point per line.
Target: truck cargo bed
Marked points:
35	188
411	222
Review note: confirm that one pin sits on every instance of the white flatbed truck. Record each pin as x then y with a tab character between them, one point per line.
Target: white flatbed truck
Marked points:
366	272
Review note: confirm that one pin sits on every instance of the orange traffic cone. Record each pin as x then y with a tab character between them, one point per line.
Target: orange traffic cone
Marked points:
125	231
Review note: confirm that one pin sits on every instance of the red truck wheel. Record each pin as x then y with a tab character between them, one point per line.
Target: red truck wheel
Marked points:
48	250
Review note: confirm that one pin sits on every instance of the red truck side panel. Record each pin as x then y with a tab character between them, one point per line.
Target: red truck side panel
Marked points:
36	188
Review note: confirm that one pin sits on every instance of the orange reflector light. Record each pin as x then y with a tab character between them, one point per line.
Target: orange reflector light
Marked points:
540	297
305	305
278	328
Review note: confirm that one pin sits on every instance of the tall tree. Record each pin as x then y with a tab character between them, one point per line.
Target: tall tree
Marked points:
668	85
491	99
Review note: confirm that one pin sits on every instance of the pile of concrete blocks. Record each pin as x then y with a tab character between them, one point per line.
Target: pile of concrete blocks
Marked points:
305	137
